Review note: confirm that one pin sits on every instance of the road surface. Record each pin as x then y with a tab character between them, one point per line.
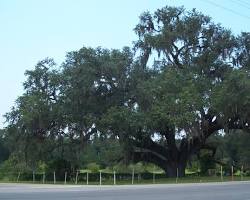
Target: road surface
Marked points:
203	191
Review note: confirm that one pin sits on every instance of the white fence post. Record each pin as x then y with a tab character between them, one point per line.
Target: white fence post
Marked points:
100	178
241	173
54	177
65	178
76	177
34	178
177	175
114	178
18	176
87	178
232	171
221	173
133	176
153	177
43	177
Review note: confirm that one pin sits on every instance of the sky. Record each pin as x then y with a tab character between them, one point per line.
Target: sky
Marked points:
33	30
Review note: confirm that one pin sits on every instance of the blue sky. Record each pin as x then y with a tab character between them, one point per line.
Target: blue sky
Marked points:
34	29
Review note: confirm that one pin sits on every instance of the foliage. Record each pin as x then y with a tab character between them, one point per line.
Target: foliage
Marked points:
162	112
4	151
93	167
206	163
198	85
237	149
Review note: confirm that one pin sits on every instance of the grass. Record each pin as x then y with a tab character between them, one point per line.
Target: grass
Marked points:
109	181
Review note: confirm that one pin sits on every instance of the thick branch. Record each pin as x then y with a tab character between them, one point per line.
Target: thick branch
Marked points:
149	157
152	147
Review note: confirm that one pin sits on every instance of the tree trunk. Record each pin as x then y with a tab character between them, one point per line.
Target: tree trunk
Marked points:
175	169
172	160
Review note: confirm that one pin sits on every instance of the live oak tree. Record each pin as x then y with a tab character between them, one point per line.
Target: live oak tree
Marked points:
187	80
32	121
193	82
90	77
59	111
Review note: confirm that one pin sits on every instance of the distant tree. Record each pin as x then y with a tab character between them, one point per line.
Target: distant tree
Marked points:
32	122
236	149
4	151
104	151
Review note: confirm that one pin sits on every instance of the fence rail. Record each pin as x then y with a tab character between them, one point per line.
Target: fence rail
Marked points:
85	177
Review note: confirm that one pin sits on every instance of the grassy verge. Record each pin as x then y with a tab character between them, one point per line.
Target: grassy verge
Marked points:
195	179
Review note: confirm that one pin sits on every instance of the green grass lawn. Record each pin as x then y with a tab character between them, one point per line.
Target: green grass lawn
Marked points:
109	181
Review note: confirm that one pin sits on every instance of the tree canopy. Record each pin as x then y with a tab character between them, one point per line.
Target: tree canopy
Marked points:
186	79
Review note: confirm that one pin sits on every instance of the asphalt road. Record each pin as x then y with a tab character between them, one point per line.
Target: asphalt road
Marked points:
203	191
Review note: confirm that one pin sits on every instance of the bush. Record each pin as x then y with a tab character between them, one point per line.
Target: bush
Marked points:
93	167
